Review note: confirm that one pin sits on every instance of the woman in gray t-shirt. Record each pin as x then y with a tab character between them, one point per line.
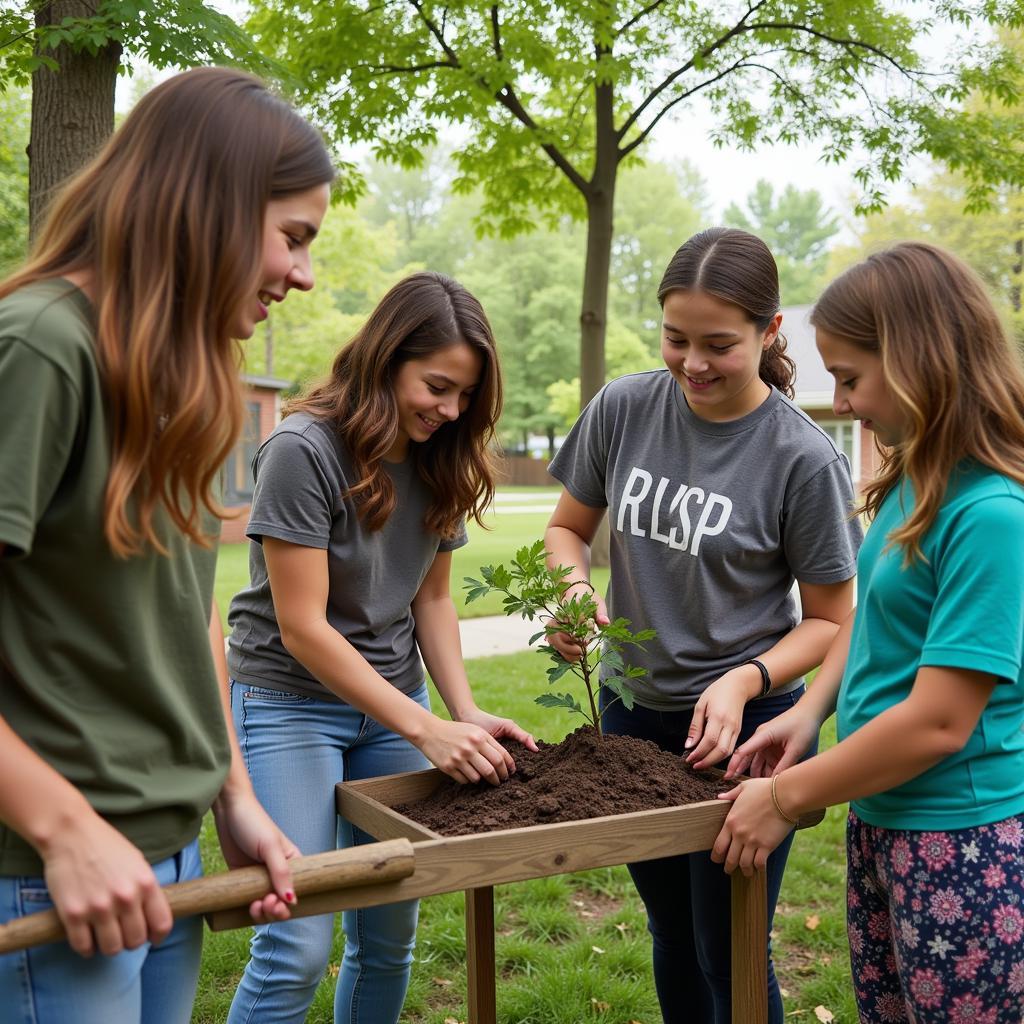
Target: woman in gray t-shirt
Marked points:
720	493
360	498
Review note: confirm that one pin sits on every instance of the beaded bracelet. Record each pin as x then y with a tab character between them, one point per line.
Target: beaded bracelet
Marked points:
775	800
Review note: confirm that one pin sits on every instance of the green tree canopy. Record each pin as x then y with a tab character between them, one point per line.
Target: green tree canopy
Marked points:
797	227
555	97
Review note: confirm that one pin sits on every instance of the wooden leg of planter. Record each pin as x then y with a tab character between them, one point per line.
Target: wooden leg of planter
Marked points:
480	963
749	948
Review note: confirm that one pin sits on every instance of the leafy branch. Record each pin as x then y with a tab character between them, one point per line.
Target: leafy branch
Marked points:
534	590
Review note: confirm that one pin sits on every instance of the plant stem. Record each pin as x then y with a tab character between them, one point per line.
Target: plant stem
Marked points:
595	715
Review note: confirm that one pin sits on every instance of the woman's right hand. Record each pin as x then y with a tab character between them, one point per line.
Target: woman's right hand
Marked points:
103	889
775	745
564	644
466	752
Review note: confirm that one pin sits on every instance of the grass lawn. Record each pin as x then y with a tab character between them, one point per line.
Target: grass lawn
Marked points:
507	532
574	948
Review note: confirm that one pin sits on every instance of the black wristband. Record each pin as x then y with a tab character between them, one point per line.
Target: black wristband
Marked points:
766	680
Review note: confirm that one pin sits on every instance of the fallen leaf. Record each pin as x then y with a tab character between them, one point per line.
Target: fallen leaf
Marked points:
599	1006
452	1020
333	970
823	1015
586	913
597	949
784	992
811	922
441	982
578	903
622	927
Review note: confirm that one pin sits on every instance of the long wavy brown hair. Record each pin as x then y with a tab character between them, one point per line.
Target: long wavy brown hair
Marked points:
736	267
948	363
167	221
420	315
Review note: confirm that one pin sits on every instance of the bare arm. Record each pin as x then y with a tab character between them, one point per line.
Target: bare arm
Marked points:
299	585
719	712
247	833
934	721
437	634
569	534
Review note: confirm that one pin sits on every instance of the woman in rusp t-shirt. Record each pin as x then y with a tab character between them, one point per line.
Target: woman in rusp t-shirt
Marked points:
719	494
361	495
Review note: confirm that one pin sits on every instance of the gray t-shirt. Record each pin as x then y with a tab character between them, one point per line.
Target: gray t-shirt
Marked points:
301	472
710	524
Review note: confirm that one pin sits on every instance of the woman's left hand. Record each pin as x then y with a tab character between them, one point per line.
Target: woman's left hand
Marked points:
718	716
499	727
247	836
752	829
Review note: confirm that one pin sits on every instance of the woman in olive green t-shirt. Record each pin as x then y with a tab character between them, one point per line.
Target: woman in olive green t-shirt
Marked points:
118	381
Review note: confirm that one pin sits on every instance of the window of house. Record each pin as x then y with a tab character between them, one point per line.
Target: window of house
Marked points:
846	434
238	481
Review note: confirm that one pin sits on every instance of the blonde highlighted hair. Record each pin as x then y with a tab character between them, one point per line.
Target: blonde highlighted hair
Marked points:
420	315
167	222
948	363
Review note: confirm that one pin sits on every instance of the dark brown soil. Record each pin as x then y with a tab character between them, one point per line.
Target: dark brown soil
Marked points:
584	776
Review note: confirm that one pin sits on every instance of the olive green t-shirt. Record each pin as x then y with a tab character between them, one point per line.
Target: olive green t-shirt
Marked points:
105	666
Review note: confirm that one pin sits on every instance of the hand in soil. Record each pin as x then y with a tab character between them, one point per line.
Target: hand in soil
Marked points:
776	745
581	777
499	728
718	716
466	752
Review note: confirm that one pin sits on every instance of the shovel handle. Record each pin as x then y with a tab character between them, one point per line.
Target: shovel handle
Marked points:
321	872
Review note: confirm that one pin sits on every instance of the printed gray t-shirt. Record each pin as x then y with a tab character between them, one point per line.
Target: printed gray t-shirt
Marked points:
710	524
301	472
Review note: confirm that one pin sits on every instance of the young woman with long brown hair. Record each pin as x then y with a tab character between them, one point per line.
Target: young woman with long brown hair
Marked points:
120	398
720	493
927	676
360	499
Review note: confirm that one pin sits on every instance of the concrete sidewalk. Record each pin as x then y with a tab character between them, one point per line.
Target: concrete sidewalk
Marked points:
496	634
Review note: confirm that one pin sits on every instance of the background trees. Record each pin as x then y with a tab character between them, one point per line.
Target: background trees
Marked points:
552	99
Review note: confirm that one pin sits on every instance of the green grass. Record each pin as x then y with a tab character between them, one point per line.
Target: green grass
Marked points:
506	533
549	971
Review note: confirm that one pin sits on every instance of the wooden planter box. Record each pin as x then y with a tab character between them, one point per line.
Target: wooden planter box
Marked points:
476	863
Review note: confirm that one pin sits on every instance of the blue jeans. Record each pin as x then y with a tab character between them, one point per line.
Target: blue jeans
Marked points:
296	749
687	898
54	985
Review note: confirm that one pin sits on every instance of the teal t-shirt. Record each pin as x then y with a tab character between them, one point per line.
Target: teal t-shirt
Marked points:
962	607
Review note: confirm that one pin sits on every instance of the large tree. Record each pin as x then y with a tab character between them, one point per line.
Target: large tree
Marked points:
72	52
554	96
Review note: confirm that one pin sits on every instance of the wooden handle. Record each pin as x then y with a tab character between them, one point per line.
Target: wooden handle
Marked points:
321	872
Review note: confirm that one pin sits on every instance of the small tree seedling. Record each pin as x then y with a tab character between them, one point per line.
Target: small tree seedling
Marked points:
535	591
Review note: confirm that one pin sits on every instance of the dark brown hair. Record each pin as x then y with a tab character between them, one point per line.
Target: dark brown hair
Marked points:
168	222
420	315
736	267
947	362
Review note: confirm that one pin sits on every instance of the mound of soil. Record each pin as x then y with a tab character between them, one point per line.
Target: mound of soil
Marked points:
584	776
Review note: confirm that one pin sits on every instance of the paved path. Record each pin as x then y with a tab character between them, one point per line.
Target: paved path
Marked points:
495	634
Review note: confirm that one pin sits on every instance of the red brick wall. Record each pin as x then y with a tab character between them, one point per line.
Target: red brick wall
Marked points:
233	530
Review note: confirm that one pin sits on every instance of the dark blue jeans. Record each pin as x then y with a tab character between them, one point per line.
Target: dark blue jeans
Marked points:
688	897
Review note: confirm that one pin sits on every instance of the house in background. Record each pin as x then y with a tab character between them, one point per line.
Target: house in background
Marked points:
814	387
262	397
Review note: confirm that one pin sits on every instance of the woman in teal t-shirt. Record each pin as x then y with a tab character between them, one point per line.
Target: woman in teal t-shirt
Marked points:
931	699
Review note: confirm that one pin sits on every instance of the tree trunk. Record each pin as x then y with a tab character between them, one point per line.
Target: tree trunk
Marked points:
72	109
594	314
600	226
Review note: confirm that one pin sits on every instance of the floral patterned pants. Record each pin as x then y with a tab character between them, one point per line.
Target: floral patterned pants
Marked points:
936	923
